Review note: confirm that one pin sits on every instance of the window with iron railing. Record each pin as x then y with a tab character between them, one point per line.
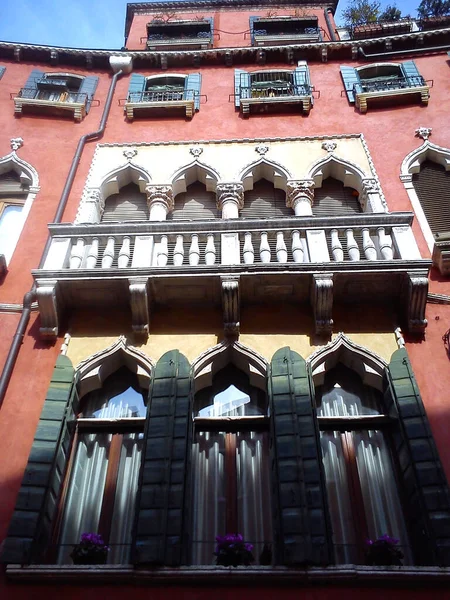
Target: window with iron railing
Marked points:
179	33
284	29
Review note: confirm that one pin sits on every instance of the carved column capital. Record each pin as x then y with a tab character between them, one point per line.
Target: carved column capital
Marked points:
159	200
230	304
417	291
371	196
139	306
322	301
91	207
300	196
230	192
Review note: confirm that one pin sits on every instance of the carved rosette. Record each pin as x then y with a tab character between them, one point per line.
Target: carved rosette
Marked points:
230	199
424	132
300	196
91	207
159	200
230	304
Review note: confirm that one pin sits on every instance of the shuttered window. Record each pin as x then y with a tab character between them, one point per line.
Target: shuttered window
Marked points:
265	202
333	199
196	203
130	204
432	185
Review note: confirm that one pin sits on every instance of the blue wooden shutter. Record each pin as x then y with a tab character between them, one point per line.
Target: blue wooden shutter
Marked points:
410	71
302	80
241	80
136	87
350	77
297	464
253	20
192	88
161	513
31	83
422	478
2	70
88	86
31	525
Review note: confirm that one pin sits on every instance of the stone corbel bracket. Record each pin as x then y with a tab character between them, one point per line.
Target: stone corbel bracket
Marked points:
139	306
230	305
416	298
46	293
322	302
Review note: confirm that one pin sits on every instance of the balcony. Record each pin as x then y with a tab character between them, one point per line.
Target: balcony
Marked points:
383	29
177	35
380	89
363	258
151	102
284	30
54	100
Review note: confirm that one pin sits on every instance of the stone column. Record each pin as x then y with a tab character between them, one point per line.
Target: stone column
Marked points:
300	196
230	199
371	201
91	207
160	201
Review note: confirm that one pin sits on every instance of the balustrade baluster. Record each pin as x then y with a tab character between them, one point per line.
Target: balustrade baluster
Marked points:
210	250
281	248
178	252
194	251
264	248
297	247
163	252
248	251
352	246
336	246
385	242
108	254
124	253
76	254
92	255
370	251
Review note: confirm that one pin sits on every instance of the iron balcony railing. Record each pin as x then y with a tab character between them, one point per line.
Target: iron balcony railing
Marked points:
398	83
55	95
186	35
275	90
288	33
162	96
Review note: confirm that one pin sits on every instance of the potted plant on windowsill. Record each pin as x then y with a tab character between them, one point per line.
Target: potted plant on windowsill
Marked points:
232	551
91	550
384	552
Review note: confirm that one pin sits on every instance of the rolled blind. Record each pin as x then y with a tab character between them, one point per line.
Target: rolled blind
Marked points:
432	185
333	199
194	204
265	202
130	204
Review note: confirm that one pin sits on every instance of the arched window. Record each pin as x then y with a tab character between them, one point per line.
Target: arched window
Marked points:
195	203
230	464
265	201
360	475
102	479
333	199
432	186
13	195
130	204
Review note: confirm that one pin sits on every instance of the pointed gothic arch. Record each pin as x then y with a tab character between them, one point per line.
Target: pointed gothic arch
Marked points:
264	169
192	172
348	173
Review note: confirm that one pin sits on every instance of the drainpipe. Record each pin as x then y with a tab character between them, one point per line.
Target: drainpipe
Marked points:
327	12
119	65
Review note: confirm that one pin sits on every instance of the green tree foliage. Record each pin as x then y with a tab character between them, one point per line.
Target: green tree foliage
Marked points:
361	12
433	8
391	13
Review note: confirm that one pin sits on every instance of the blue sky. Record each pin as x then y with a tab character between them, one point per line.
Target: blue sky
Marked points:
84	23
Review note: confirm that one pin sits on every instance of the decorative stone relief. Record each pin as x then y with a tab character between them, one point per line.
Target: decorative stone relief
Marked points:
16	143
370	197
261	149
416	301
91	207
196	151
139	306
329	146
300	196
424	132
159	200
230	199
130	153
48	309
322	302
230	304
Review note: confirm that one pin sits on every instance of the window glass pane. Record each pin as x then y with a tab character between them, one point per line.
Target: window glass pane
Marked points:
129	403
229	403
10	222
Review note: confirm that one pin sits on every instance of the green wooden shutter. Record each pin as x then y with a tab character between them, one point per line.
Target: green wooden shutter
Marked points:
252	21
136	87
2	70
30	87
161	503
31	525
304	535
423	481
350	77
88	86
302	80
241	80
411	71
192	88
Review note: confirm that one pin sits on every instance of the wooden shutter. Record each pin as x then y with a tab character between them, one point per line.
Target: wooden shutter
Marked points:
241	79
136	87
410	70
252	21
432	185
161	503
423	481
31	525
301	78
297	477
31	82
349	77
192	85
88	86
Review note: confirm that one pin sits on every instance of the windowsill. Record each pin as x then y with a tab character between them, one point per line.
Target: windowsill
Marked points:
132	109
280	39
180	44
422	92
78	109
305	101
344	574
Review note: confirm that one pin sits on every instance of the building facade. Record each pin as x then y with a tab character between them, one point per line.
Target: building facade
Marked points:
224	306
